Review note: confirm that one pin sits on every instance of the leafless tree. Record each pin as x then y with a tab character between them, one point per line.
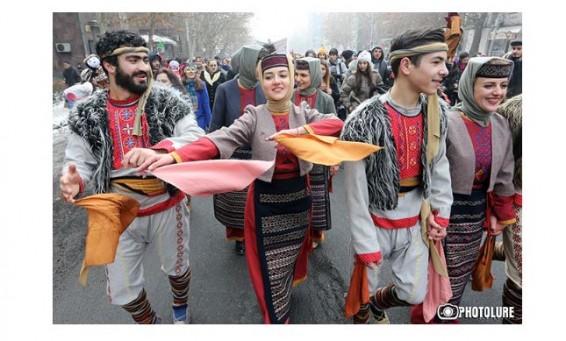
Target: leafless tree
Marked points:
476	21
366	30
337	33
207	34
217	33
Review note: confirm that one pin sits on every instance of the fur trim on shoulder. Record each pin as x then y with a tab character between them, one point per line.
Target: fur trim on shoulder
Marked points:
164	108
370	123
512	110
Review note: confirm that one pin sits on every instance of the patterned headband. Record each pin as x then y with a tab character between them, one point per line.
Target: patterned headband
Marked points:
429	48
273	60
121	50
495	70
302	65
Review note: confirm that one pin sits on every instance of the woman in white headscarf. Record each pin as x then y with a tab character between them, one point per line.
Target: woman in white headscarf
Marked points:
361	84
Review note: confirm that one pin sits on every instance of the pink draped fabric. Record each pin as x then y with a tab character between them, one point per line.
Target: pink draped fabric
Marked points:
439	290
202	178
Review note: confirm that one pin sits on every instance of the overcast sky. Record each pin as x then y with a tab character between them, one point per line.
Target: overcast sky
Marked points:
265	26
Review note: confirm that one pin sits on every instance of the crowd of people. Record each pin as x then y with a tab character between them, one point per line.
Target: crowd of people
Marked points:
449	171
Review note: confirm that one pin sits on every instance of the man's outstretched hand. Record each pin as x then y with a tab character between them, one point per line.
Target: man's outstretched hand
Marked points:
69	184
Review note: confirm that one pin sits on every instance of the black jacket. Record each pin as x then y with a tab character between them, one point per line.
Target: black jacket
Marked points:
71	76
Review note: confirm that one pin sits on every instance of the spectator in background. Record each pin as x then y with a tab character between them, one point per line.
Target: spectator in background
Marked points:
225	67
308	76
98	76
348	56
80	90
198	95
199	63
322	53
311	53
231	99
351	67
451	81
360	85
70	74
212	77
337	67
176	68
380	64
516	81
330	87
91	80
296	55
170	79
155	62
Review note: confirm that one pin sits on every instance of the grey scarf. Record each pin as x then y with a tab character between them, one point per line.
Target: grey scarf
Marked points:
466	91
316	76
244	62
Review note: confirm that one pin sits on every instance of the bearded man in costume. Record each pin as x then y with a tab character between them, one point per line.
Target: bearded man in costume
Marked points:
133	115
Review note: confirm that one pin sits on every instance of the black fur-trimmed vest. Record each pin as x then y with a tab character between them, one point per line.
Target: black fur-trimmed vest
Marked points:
164	108
370	124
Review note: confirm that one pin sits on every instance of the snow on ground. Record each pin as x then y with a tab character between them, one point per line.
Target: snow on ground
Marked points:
60	115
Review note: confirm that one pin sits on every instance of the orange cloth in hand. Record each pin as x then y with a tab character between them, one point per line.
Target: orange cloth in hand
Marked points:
325	150
358	293
109	215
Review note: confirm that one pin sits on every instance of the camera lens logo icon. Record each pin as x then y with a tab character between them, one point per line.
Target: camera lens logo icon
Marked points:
447	312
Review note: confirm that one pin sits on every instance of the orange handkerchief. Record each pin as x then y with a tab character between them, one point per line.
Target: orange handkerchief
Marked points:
358	292
201	178
325	150
108	216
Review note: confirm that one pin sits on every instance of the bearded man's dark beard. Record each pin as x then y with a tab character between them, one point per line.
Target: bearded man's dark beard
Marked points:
127	82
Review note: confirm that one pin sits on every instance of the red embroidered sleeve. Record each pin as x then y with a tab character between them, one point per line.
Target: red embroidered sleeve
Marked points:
369	257
329	127
201	149
518	199
444	222
165	144
503	209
